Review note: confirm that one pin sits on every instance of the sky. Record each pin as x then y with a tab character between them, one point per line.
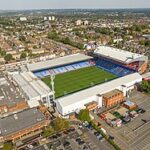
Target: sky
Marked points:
58	4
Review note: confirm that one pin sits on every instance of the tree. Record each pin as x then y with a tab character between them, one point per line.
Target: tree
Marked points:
53	35
22	38
60	124
145	86
23	55
8	146
2	52
48	131
8	57
34	47
84	115
66	40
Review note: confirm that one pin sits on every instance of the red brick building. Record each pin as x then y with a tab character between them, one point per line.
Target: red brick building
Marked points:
26	123
112	98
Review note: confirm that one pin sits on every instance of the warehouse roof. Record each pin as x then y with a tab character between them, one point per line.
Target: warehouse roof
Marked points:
119	55
31	85
99	89
19	121
57	62
8	93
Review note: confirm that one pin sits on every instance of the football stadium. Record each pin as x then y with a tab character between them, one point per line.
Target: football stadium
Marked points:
81	79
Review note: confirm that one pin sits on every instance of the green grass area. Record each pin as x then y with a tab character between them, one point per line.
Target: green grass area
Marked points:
78	79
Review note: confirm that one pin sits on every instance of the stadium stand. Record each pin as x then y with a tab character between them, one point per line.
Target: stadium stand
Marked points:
64	69
100	62
134	65
113	67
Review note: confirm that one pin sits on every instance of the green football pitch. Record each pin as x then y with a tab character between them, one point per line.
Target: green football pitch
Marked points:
76	80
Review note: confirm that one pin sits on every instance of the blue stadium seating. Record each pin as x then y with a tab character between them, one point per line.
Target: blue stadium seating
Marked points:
105	64
113	67
64	69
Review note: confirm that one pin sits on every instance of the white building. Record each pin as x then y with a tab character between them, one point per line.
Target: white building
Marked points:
53	18
45	18
33	88
23	19
77	101
79	22
85	22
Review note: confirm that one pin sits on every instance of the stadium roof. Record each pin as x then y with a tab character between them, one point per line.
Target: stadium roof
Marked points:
119	55
22	120
99	89
26	87
57	62
31	85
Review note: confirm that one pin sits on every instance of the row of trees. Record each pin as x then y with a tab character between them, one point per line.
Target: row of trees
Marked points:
57	125
65	40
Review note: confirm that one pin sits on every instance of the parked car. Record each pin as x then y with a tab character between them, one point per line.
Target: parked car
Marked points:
85	147
96	133
101	138
66	143
126	119
78	139
141	110
81	142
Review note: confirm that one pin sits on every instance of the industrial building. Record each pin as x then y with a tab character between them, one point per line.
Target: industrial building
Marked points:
33	88
22	124
10	98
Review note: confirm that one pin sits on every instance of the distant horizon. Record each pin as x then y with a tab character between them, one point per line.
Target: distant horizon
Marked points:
73	4
69	9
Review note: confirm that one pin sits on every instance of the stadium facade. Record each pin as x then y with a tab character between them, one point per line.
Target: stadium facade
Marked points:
125	65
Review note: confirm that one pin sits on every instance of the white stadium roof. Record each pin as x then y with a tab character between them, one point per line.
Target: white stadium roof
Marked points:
119	55
33	87
57	62
99	89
